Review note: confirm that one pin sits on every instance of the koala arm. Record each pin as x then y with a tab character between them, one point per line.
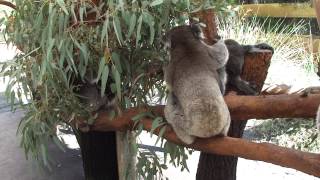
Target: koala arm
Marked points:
168	75
219	53
174	115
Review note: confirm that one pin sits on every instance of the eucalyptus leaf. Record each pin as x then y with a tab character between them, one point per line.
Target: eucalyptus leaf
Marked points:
63	6
117	78
117	29
156	2
133	21
104	80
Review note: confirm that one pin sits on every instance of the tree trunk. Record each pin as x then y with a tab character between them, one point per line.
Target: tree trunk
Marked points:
99	155
217	167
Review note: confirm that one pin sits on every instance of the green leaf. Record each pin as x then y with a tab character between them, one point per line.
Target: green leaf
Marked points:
152	34
82	11
92	119
117	29
149	19
101	68
74	16
49	49
139	30
58	143
116	60
133	21
160	135
104	32
157	122
117	79
63	6
104	80
44	154
156	2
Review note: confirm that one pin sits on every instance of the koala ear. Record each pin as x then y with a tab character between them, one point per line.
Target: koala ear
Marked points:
196	30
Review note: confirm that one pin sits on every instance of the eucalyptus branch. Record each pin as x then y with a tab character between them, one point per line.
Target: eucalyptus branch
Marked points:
7	3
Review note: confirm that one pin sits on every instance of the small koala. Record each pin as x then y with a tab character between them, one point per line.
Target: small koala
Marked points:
195	105
235	64
90	96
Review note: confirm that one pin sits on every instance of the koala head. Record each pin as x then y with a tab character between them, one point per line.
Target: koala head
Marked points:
183	35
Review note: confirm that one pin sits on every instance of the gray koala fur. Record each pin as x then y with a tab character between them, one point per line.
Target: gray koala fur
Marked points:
195	105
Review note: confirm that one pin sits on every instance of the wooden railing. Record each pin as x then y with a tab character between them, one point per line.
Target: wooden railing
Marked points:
296	10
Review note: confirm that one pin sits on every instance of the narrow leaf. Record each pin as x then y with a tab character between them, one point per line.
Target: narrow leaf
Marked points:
101	68
104	79
156	2
139	30
116	60
162	131
63	6
117	29
133	21
116	77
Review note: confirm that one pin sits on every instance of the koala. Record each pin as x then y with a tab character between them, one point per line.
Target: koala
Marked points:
195	105
235	64
90	95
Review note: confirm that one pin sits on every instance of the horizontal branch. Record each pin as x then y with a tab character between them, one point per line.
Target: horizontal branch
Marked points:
7	3
240	107
278	89
273	106
302	161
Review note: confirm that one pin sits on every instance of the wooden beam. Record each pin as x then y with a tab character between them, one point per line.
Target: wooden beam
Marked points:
291	10
273	106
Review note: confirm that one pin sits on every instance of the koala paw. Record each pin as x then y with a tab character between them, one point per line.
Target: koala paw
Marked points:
187	139
253	89
183	135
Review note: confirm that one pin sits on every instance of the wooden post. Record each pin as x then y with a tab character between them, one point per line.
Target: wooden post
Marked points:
316	4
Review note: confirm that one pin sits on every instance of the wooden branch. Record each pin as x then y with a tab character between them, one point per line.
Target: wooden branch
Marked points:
316	4
208	17
302	161
273	106
7	3
240	107
286	89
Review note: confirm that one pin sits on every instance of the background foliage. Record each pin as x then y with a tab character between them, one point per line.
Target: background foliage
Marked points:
114	45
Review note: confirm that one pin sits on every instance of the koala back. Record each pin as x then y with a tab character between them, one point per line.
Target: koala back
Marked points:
195	85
